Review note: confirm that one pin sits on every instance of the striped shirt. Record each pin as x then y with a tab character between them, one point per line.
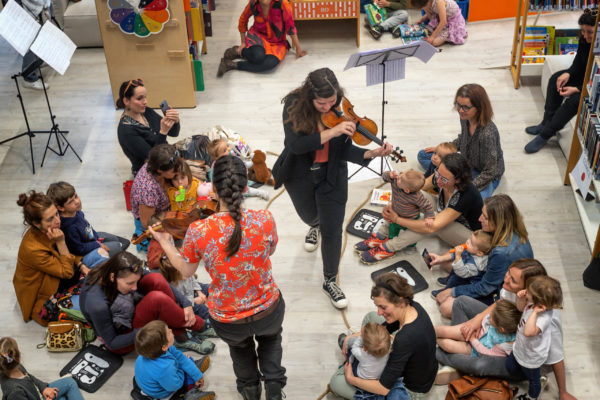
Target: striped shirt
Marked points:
408	205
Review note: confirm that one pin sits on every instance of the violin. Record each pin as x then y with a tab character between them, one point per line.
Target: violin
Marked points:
366	129
177	222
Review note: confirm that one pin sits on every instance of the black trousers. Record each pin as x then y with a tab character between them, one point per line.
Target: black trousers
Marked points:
558	110
256	60
324	205
246	357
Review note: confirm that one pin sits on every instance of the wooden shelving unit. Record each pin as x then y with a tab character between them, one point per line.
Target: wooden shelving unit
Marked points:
516	59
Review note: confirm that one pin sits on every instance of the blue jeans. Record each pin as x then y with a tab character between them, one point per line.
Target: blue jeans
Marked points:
201	310
93	258
67	389
139	229
489	189
398	392
424	159
532	374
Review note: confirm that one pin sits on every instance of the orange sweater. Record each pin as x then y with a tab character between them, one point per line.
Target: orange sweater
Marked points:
39	270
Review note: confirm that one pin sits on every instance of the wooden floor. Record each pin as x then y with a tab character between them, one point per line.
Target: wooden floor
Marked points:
419	113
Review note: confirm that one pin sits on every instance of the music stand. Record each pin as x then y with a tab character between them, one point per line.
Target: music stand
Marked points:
388	65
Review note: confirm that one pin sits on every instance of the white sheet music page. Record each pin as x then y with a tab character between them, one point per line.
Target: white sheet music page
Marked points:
18	27
54	47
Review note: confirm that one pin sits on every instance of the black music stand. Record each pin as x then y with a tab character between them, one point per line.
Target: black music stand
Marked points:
388	65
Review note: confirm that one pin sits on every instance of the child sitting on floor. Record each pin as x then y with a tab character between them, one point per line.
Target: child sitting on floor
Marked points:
465	261
17	383
496	336
446	22
184	189
161	369
407	202
439	152
81	238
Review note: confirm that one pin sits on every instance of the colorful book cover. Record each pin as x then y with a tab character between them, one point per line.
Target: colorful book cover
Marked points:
381	197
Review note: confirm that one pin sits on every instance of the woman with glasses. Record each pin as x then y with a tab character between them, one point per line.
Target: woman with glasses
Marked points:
458	207
478	141
148	195
141	128
564	89
120	287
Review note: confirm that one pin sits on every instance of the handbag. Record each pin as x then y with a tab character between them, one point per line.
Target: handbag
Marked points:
62	336
476	388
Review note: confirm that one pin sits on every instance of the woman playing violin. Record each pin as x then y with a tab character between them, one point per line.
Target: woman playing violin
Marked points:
313	167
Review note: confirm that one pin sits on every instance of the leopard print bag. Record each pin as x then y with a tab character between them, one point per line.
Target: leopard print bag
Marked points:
64	336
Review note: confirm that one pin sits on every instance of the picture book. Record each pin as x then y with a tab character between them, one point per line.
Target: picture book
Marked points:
381	197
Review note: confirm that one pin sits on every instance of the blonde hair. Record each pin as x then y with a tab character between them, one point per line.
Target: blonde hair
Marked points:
213	148
484	241
376	339
545	291
449	146
414	180
10	356
506	316
171	274
506	218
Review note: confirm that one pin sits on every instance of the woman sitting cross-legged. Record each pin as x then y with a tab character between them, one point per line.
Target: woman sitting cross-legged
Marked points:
118	298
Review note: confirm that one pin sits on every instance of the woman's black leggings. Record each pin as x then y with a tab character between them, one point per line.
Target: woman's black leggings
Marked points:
256	60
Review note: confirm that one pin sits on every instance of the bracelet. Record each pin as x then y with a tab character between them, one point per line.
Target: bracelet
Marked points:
80	264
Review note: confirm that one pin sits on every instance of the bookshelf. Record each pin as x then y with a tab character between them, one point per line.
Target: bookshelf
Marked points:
589	211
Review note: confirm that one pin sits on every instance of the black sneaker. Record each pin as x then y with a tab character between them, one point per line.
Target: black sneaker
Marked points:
341	339
311	241
434	293
273	390
337	297
442	281
375	31
396	33
534	129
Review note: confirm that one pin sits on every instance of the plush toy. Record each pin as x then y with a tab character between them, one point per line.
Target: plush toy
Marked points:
259	171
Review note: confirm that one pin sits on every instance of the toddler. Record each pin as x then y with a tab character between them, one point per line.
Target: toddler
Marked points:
161	370
369	352
439	152
396	14
184	189
407	202
80	237
495	338
123	310
534	334
17	383
465	261
446	22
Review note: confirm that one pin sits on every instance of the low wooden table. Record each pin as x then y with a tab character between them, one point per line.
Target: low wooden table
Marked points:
306	10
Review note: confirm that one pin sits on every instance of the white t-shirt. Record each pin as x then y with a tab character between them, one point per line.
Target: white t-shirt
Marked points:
555	355
532	351
369	366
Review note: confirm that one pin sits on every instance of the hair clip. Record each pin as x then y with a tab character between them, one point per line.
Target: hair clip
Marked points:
8	358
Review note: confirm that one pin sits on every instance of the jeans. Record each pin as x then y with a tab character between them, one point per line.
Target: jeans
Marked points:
201	310
424	159
489	189
114	243
67	389
256	60
93	258
323	206
558	110
139	229
252	362
532	374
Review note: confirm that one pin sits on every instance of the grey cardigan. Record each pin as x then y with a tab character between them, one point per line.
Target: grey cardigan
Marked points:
22	389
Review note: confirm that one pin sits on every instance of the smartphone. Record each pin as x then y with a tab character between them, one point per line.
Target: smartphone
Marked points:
164	106
427	258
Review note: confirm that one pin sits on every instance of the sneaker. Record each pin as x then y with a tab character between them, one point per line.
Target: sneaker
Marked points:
197	394
375	255
263	195
251	392
197	345
396	33
273	390
369	243
434	293
445	375
442	281
202	363
231	53
311	241
524	396
37	85
337	297
341	339
535	145
375	31
224	66
534	129
208	332
543	382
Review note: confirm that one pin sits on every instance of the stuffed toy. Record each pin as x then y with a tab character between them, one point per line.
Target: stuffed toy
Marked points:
259	171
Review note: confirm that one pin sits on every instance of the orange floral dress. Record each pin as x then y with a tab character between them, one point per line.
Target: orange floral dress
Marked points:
269	32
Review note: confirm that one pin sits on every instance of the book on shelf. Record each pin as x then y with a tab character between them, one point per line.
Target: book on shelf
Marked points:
537	43
561	5
566	40
381	197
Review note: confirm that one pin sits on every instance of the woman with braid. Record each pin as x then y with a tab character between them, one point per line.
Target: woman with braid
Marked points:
244	303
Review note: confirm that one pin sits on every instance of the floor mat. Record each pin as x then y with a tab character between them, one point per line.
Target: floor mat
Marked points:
407	271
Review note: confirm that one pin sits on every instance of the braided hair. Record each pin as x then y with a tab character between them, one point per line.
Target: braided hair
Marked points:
230	179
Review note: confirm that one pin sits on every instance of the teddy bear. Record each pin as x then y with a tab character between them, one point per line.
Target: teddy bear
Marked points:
259	171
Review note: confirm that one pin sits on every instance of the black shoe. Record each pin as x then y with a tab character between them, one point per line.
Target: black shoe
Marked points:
535	145
442	281
434	293
251	392
311	240
396	33
341	339
337	297
534	129
273	390
375	31
197	394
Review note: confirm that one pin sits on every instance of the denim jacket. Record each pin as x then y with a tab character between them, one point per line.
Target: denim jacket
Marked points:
499	259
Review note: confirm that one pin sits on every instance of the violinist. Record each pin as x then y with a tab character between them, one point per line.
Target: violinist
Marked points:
313	168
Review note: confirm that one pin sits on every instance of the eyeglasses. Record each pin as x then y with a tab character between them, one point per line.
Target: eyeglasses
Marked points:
135	83
462	107
593	12
441	179
135	268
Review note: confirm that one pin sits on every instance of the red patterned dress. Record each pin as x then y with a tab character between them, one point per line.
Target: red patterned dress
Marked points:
269	32
241	285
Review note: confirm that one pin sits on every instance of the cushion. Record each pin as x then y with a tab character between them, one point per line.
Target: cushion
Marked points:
81	8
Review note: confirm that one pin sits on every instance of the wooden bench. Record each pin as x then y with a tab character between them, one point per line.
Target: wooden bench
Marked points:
307	10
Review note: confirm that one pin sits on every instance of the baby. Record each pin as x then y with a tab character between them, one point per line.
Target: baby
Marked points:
369	352
407	202
439	152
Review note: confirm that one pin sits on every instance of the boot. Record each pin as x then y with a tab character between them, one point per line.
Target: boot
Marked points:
231	53
273	390
251	392
224	66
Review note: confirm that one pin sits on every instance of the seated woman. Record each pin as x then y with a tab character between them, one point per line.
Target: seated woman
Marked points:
44	264
141	128
468	314
501	218
411	367
148	195
478	141
264	45
564	89
123	275
457	207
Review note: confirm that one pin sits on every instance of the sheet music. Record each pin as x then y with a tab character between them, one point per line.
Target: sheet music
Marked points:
394	70
54	47
18	27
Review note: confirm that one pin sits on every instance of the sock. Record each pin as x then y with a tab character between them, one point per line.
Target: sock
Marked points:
380	236
385	247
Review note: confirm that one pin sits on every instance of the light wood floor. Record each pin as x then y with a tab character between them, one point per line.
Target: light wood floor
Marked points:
419	114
